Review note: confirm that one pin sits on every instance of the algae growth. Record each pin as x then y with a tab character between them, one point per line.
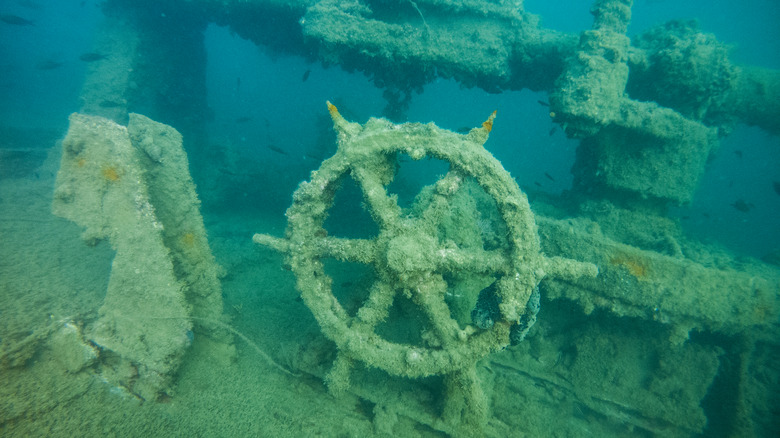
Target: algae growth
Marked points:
414	287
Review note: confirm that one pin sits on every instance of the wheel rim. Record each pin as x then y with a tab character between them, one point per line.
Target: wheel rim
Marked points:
406	254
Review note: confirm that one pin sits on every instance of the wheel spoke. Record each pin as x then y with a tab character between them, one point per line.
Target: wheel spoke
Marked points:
472	260
439	206
384	208
430	296
376	307
347	250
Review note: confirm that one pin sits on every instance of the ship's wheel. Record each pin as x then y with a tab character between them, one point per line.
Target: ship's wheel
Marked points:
407	254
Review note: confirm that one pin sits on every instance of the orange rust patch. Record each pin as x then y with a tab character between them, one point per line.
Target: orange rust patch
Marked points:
488	124
110	173
636	266
332	109
188	240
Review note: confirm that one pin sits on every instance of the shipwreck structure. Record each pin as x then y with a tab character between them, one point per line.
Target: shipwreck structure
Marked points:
684	328
131	186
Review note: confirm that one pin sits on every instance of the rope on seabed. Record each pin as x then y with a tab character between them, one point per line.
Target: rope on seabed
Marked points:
251	343
262	353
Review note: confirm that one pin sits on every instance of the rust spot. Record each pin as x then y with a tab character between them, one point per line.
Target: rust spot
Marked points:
332	109
488	124
188	240
110	173
635	265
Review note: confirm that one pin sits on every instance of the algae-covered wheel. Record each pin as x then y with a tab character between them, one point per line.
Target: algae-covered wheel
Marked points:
407	255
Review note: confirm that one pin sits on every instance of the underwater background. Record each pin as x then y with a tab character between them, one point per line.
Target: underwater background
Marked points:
266	128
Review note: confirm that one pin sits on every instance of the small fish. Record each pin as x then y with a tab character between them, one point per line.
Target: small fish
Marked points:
776	186
549	176
738	153
277	149
48	65
742	206
542	103
243	119
538	184
305	75
92	57
552	130
15	20
464	130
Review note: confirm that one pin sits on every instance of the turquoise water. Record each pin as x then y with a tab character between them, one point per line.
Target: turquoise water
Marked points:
260	128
